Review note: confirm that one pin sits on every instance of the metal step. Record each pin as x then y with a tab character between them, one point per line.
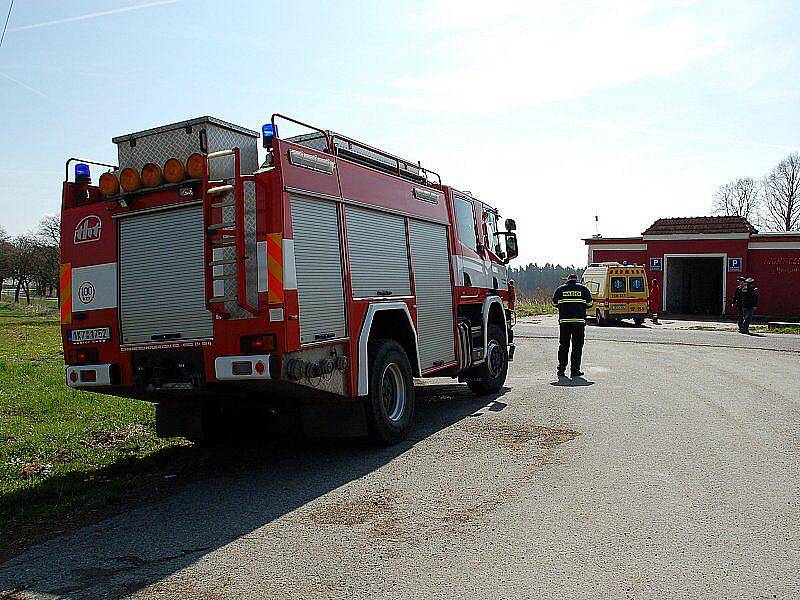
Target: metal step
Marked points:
227	261
224	203
220	189
225	242
218	299
224	277
225	225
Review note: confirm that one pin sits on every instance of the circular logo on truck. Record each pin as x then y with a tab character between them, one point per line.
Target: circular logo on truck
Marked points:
86	292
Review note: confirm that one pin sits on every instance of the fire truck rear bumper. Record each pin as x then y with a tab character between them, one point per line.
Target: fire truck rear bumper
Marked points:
227	368
91	376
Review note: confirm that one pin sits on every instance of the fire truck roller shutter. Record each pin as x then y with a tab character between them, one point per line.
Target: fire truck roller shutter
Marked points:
162	285
430	256
378	252
318	256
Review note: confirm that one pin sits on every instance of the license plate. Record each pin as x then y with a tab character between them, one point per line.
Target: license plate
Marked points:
96	334
618	307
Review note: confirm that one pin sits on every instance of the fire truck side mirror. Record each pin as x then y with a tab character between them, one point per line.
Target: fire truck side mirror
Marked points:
511	225
512	251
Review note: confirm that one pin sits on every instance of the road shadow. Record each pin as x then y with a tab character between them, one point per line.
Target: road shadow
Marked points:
258	483
574	382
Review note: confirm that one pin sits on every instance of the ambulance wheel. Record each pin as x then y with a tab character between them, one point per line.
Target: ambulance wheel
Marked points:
389	406
489	377
599	317
638	321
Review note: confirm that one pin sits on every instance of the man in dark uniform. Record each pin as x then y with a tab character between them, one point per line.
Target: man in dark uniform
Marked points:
746	299
572	300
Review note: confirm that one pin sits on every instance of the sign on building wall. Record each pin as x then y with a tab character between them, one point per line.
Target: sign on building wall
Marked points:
656	264
735	265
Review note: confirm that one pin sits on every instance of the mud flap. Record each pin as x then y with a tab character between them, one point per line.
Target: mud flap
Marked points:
334	419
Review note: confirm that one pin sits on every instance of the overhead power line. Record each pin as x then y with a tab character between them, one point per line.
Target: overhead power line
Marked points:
8	17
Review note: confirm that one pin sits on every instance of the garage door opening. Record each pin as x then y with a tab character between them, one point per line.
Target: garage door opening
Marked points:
694	285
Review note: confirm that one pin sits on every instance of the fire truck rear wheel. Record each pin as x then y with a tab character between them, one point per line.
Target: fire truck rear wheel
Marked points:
489	377
389	406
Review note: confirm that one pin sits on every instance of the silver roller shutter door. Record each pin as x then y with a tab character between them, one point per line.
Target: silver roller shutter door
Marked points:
376	245
318	262
162	286
430	256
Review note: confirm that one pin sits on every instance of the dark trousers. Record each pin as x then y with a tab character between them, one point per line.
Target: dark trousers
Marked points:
745	318
573	333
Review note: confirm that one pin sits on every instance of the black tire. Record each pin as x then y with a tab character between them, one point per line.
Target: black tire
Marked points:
389	419
489	377
638	321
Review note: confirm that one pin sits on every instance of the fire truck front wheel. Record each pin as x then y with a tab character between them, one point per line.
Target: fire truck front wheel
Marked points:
390	402
489	377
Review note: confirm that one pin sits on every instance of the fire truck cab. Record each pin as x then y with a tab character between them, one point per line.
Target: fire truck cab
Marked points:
326	277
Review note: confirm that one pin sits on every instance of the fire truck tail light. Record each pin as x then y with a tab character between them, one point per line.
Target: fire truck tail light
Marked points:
152	175
129	180
82	356
194	165
108	184
89	376
174	171
258	344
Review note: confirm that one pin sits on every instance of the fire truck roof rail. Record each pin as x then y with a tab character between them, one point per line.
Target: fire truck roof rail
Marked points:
361	153
83	160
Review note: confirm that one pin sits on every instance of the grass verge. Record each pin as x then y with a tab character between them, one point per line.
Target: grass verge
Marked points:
63	453
532	309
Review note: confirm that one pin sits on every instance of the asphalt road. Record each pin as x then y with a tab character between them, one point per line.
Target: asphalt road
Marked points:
670	470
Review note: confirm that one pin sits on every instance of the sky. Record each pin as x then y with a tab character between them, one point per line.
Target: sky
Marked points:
553	112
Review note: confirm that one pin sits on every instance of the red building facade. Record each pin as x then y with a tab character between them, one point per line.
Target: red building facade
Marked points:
697	262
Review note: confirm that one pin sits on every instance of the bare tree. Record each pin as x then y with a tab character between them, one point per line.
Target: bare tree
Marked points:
740	197
50	230
5	257
782	195
48	258
24	251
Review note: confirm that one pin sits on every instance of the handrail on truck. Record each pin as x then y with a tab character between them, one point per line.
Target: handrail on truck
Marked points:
83	160
331	147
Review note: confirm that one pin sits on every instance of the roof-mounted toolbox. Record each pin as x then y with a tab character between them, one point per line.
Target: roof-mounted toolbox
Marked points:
182	139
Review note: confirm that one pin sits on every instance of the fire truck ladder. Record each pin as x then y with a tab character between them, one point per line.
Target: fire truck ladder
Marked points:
217	196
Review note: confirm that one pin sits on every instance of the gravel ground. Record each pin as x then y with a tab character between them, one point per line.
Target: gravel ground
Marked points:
669	470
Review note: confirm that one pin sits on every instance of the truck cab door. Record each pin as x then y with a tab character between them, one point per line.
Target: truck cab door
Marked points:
471	267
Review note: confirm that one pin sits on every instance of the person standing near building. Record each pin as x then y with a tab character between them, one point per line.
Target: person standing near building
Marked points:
654	299
572	300
746	299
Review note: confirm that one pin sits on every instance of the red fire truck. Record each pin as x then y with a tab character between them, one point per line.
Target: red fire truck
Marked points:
329	275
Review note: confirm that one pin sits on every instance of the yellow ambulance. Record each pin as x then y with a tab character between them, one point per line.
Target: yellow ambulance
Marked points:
620	291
